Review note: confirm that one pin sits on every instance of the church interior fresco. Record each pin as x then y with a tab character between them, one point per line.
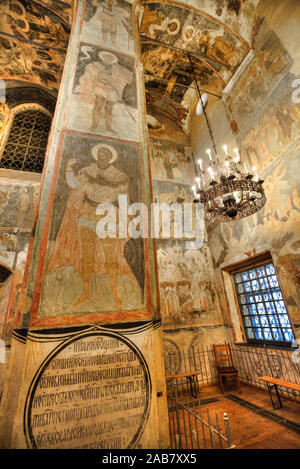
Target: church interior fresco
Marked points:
120	115
104	283
115	277
34	42
34	38
167	31
160	21
264	121
170	30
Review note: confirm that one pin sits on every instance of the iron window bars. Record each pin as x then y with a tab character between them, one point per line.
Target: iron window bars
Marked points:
262	306
27	142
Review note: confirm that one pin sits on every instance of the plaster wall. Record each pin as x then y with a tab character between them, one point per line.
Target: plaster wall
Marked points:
261	118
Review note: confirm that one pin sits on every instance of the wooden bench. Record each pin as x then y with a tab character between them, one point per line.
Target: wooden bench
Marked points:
273	383
190	376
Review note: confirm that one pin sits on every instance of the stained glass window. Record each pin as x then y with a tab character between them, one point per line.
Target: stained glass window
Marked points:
262	306
27	142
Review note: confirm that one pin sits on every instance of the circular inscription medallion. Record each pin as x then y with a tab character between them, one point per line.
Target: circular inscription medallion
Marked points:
92	391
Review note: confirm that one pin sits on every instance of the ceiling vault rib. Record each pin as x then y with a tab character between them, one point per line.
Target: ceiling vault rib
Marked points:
182	85
183	51
203	107
202	13
52	10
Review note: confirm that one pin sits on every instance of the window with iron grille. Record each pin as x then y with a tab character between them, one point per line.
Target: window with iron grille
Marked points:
27	141
262	306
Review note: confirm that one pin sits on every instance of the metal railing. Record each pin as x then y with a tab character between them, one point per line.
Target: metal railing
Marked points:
188	427
194	359
253	362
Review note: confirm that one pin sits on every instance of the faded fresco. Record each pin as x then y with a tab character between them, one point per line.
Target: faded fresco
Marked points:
275	224
190	348
186	281
31	59
109	24
63	9
171	162
5	292
168	73
236	14
270	64
90	274
165	116
165	192
12	318
18	201
275	129
195	32
162	127
276	228
104	94
268	135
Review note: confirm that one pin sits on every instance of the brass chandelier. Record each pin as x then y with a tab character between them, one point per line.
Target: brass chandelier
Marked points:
236	195
227	189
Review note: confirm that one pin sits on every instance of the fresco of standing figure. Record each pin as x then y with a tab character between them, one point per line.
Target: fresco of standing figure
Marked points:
104	81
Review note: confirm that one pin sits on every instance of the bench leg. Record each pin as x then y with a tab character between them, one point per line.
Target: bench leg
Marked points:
193	385
270	387
220	379
237	382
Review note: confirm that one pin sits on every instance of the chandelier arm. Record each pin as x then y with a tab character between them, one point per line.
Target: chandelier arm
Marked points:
237	191
203	107
214	204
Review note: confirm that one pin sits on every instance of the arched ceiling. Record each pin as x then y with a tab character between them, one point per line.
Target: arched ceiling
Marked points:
179	42
34	37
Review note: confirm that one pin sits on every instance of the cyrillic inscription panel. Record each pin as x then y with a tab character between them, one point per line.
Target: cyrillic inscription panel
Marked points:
91	392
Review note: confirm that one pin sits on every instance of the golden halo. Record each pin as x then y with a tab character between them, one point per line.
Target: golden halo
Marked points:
188	33
174	21
97	147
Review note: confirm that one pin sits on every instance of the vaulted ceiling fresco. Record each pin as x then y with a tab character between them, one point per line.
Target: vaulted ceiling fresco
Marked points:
33	40
61	8
179	43
34	37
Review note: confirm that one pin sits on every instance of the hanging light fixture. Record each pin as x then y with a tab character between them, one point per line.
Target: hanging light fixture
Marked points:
226	188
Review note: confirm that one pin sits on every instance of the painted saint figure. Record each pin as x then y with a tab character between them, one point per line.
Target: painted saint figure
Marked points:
104	81
77	244
111	17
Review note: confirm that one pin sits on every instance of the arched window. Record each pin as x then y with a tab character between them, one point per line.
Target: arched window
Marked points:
26	143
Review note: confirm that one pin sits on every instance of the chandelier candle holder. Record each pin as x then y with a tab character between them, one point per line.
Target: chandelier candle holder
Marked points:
227	189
